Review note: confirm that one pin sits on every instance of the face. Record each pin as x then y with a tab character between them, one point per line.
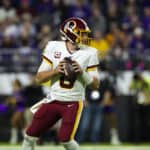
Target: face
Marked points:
84	38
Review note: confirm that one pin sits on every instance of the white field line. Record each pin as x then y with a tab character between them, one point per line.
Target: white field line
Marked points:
82	147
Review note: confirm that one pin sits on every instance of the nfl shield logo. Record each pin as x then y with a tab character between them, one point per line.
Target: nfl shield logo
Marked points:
57	54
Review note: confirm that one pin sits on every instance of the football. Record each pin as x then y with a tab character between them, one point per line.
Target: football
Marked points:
69	70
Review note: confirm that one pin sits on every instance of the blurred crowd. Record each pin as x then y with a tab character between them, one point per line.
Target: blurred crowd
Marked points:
119	27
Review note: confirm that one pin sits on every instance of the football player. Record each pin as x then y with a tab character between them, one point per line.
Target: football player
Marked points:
65	98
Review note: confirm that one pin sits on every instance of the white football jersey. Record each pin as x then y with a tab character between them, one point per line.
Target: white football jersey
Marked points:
60	89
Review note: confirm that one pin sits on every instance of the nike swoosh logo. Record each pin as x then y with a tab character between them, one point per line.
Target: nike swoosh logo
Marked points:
70	105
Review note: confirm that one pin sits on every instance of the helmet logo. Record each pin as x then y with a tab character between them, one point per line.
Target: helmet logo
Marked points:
71	25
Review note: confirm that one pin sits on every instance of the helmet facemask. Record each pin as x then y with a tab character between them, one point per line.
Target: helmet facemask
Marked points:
83	37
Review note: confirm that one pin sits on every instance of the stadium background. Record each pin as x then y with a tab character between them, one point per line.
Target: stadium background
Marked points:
121	33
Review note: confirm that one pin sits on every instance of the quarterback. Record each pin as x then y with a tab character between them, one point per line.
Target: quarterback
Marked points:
66	93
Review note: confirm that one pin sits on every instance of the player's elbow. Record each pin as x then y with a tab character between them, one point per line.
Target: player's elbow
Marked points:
38	79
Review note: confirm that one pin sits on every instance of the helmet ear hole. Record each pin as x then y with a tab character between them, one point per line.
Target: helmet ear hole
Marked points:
72	24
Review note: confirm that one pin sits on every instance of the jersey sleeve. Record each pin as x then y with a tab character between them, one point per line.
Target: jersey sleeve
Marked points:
44	66
93	61
92	68
47	53
47	62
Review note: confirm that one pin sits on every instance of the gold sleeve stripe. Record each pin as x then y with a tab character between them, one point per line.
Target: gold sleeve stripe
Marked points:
92	68
78	116
48	83
47	60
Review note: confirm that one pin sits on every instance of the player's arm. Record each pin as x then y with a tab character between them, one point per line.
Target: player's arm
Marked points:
45	72
90	78
95	83
92	70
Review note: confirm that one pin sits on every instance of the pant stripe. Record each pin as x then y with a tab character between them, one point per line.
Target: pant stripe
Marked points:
80	103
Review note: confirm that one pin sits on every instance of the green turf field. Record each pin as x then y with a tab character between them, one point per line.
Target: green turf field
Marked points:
83	147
